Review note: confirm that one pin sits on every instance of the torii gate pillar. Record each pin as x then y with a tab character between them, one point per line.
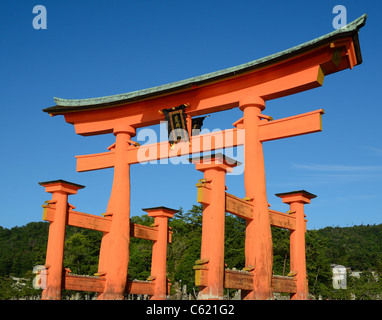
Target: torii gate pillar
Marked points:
258	240
296	200
60	190
114	255
159	255
214	168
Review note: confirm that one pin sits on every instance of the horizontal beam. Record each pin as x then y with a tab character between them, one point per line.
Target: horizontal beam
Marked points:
292	83
283	284
238	280
282	220
140	287
97	284
162	150
80	219
244	280
243	209
291	126
83	283
238	207
232	280
95	161
277	129
198	144
102	224
279	80
143	232
88	221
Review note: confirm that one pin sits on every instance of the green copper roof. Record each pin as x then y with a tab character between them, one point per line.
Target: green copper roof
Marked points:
68	105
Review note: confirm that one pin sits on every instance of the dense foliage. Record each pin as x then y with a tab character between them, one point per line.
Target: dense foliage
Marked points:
358	247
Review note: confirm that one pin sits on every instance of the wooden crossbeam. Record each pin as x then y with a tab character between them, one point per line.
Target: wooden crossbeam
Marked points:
238	207
89	221
162	150
201	143
243	209
291	126
244	280
268	130
282	220
238	280
80	219
97	284
275	82
83	283
143	232
283	284
140	287
96	161
98	223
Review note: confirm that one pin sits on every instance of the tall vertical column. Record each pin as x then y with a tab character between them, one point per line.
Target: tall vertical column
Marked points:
118	240
60	190
258	240
212	250
296	200
104	253
159	254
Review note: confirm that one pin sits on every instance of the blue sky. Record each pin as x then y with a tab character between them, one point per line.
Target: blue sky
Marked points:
98	48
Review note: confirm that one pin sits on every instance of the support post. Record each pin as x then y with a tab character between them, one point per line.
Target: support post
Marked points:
60	190
212	250
159	254
103	253
296	200
116	248
258	238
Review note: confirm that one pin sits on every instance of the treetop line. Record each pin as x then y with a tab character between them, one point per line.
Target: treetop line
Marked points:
248	87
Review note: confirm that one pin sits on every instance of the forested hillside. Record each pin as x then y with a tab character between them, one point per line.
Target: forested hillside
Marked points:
358	247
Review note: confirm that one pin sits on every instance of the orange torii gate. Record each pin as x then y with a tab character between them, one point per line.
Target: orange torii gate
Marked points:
247	87
210	274
60	213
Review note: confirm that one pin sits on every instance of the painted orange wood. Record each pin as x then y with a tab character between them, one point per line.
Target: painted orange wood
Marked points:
283	284
280	80
292	126
83	283
140	287
238	207
282	220
98	223
238	280
303	69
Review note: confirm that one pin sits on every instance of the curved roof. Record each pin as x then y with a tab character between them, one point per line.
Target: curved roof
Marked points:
70	105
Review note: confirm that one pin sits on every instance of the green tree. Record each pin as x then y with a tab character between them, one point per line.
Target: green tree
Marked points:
366	287
281	251
185	247
82	251
234	246
6	290
317	265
